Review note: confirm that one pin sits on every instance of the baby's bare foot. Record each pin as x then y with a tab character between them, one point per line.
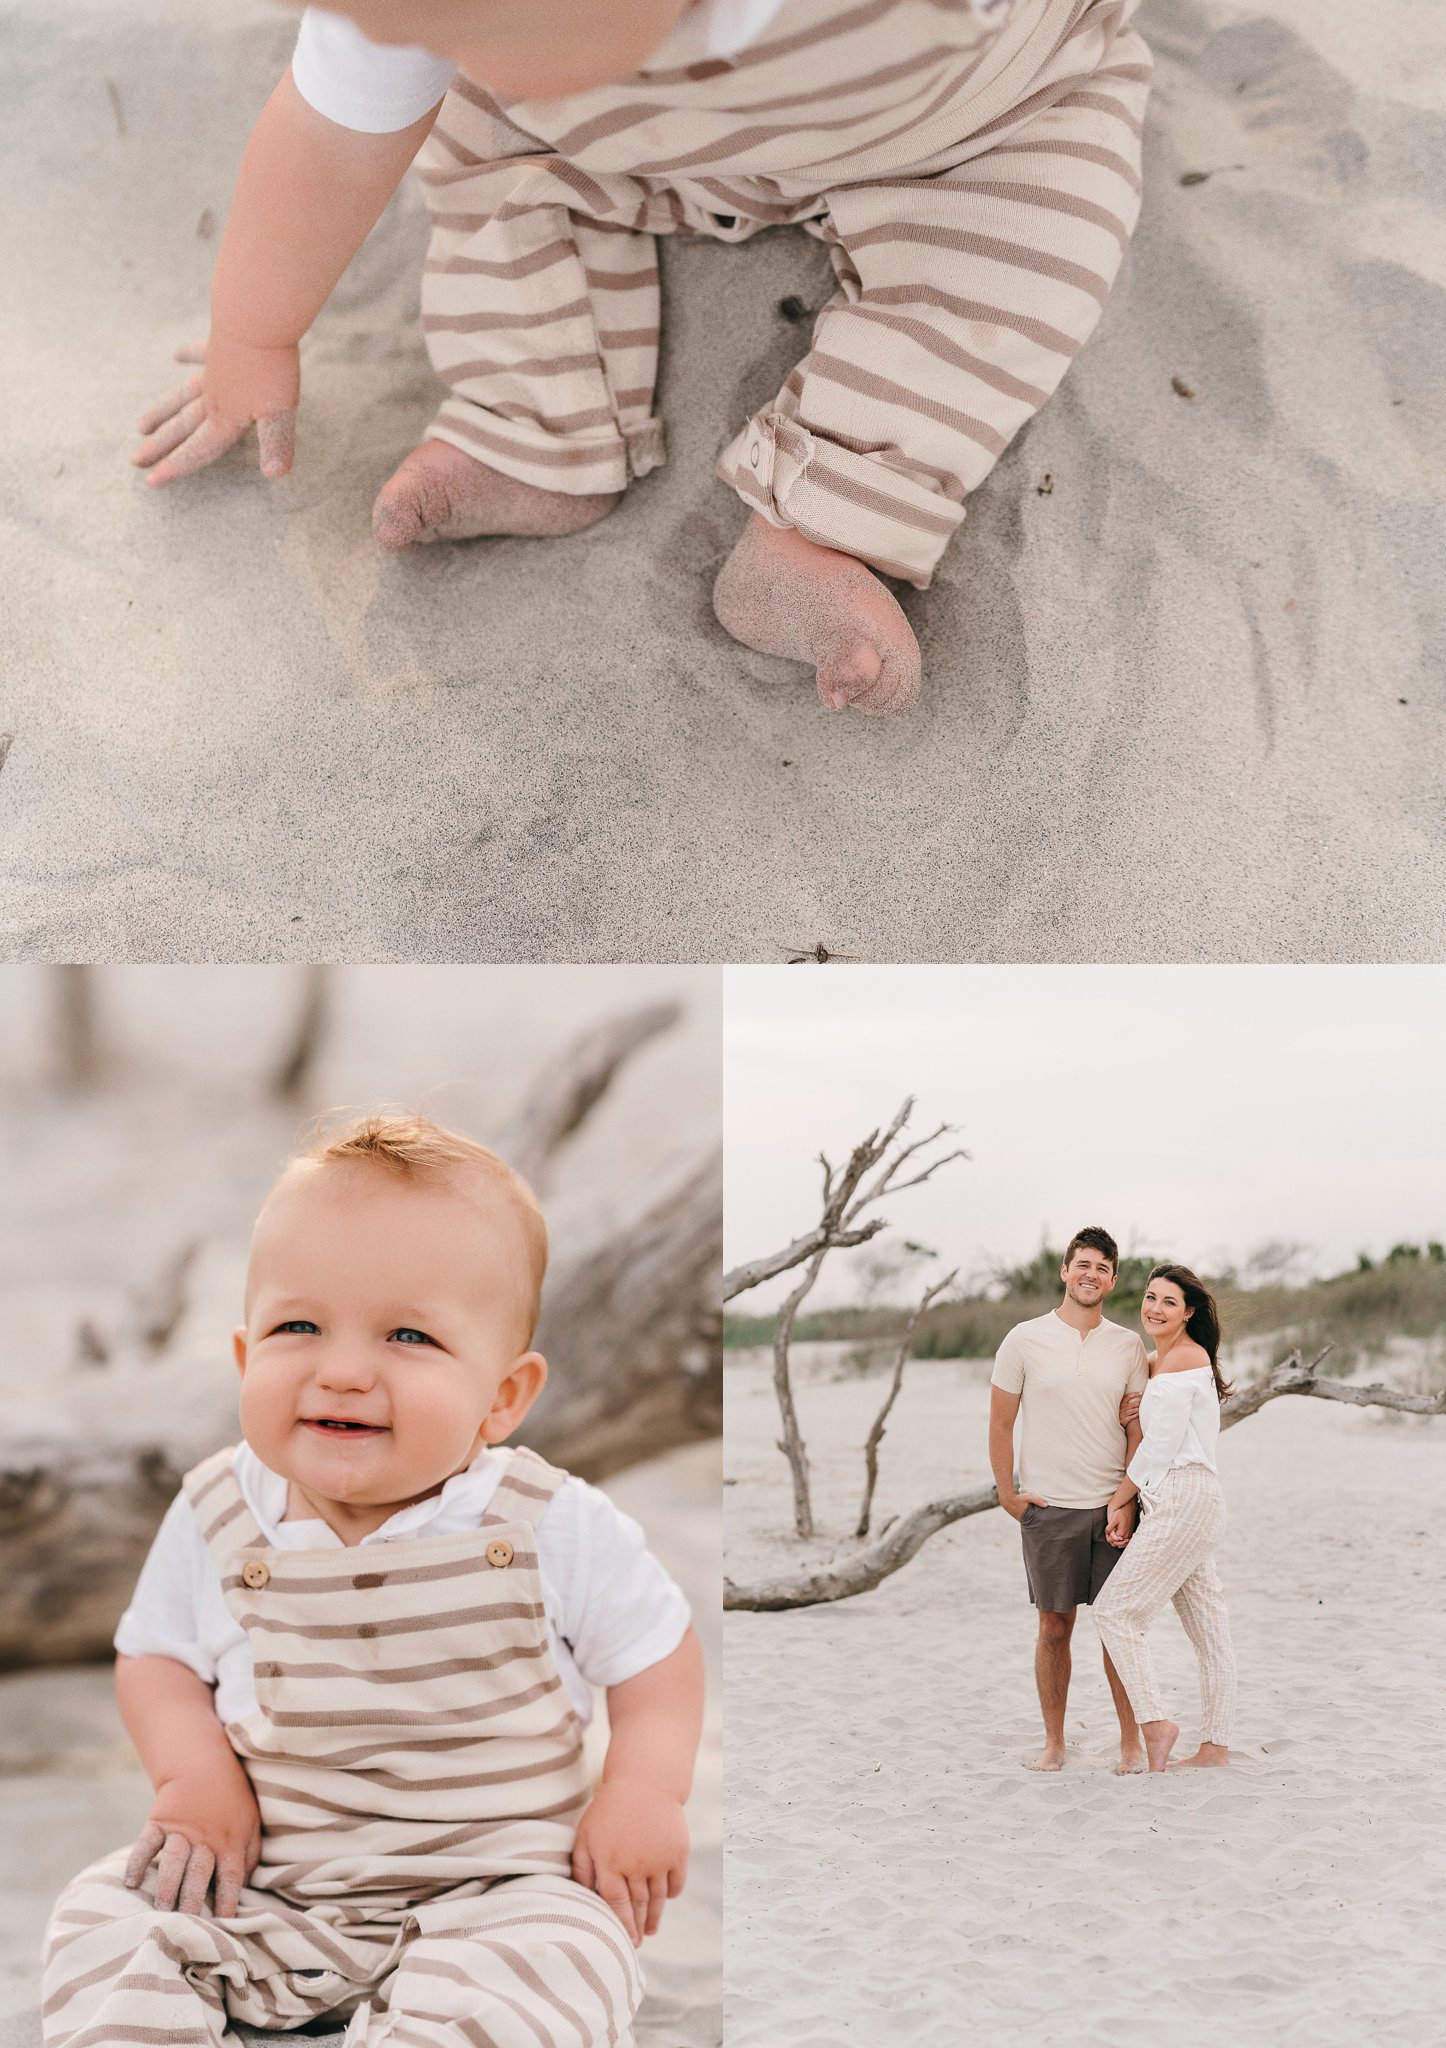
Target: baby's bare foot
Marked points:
1050	1758
1160	1739
441	494
786	595
1210	1756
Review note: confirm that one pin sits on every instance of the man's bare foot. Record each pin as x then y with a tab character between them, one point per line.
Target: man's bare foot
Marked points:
1050	1758
1210	1756
1160	1739
786	595
441	494
1132	1759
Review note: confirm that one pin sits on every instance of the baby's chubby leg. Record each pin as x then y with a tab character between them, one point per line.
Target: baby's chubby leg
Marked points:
532	1961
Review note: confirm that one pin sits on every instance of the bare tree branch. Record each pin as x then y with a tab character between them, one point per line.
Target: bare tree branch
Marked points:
742	1278
564	1094
293	1069
875	1436
76	1020
867	1568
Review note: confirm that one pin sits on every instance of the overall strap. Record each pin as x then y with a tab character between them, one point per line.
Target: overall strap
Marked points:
220	1507
526	1490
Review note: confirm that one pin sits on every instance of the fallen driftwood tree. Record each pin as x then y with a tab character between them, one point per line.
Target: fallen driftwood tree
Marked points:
841	1578
847	1191
631	1324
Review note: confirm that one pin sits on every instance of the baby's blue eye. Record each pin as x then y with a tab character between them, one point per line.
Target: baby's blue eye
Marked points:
411	1336
297	1328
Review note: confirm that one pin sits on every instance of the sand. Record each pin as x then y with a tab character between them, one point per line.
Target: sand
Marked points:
1181	706
897	1879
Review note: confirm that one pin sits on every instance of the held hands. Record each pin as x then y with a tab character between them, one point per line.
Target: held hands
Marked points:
208	414
1120	1524
632	1850
202	1829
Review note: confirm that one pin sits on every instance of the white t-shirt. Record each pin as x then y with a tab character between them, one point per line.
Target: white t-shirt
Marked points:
611	1608
378	88
1071	1383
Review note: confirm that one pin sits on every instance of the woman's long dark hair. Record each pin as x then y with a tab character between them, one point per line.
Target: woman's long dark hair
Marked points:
1202	1318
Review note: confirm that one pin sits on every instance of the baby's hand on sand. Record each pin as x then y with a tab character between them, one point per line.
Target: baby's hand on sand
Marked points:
202	1829
632	1850
208	414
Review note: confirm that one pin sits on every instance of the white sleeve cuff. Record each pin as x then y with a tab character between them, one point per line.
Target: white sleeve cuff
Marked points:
372	88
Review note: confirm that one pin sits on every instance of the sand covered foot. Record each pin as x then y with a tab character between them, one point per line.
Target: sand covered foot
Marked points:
1210	1756
441	494
1050	1758
782	594
1132	1759
1160	1739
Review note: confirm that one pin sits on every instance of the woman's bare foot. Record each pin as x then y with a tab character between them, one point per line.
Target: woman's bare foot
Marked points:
786	595
441	494
1160	1739
1132	1759
1050	1758
1210	1756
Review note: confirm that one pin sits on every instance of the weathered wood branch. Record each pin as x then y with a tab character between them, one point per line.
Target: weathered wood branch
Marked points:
845	1197
875	1436
841	1579
570	1086
294	1068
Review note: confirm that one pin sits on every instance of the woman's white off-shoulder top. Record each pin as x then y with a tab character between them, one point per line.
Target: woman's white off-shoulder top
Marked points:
1180	1418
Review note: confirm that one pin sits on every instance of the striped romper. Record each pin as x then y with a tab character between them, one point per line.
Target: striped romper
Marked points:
972	166
420	1775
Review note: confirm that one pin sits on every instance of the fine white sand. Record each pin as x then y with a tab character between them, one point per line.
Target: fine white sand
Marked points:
897	1879
1182	706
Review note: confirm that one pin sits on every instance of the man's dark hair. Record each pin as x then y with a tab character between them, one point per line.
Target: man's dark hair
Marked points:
1098	1241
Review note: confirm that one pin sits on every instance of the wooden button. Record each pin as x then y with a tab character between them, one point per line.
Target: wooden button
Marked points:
500	1552
255	1573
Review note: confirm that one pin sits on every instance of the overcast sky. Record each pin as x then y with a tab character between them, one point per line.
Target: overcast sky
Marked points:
1196	1112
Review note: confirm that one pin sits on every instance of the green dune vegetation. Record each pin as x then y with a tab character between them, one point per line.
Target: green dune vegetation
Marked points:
1362	1312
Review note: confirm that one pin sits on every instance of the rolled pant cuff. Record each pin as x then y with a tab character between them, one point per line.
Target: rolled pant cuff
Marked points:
581	466
858	504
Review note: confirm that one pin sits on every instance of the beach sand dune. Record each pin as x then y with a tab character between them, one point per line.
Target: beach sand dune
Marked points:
1195	610
896	1878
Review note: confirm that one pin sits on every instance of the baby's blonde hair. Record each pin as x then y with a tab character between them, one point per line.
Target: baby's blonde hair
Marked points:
407	1143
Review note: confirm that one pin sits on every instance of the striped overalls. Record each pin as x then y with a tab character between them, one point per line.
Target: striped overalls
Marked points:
971	165
420	1775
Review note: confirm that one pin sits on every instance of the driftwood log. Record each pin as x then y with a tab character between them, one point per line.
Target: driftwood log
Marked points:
841	1578
632	1328
847	1191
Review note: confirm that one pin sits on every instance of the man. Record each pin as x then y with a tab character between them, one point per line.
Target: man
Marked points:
1069	1371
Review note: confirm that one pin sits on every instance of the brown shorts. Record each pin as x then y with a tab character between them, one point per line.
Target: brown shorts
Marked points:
1066	1557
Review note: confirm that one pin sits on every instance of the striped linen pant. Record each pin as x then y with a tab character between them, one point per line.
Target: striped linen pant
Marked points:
1172	1557
533	1962
976	188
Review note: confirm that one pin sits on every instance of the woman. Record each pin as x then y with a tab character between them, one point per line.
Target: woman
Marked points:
1172	1556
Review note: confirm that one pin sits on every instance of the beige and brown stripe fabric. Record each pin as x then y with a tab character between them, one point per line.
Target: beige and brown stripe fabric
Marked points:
1171	1556
420	1775
973	170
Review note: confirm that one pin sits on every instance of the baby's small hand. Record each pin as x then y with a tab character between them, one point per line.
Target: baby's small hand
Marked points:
201	1829
208	414
632	1850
